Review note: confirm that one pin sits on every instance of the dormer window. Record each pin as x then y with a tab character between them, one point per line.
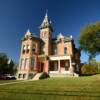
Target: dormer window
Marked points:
27	48
34	48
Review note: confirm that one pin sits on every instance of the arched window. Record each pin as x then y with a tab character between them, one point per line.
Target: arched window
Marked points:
65	50
45	34
55	51
23	49
22	64
42	49
20	76
32	63
24	76
55	66
27	48
26	63
66	65
34	48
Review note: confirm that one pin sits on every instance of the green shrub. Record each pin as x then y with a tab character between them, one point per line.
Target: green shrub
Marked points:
44	75
89	69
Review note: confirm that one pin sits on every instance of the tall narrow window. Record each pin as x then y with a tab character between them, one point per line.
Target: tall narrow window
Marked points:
34	48
65	50
22	64
42	49
45	34
66	65
24	76
27	48
77	68
26	63
55	66
32	62
20	75
23	49
55	51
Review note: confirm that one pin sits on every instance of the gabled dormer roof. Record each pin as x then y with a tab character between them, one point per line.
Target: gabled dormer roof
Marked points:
46	23
32	36
60	36
28	33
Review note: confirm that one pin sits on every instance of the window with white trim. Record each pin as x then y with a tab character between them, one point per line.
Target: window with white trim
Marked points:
22	64
26	63
27	48
45	34
24	76
34	48
65	50
23	49
55	50
55	66
33	62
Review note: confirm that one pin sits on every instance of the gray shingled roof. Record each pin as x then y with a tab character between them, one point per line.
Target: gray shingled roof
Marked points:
46	23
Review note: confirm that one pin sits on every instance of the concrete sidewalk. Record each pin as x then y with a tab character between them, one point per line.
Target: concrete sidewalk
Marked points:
15	82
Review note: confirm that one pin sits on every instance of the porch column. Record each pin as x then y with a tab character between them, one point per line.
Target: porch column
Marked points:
46	66
59	65
71	69
35	64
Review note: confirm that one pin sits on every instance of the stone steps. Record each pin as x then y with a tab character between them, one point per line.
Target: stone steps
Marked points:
36	77
63	75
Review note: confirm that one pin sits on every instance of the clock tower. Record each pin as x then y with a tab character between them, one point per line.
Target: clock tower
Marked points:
46	34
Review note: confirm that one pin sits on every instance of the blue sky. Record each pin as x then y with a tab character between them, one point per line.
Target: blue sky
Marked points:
67	16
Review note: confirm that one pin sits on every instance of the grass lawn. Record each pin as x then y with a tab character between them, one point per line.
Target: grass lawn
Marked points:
81	88
7	81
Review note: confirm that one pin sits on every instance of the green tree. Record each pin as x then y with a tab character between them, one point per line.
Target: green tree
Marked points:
3	62
89	39
12	67
7	66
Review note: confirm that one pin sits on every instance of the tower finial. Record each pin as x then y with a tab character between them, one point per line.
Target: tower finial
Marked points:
28	30
46	13
46	22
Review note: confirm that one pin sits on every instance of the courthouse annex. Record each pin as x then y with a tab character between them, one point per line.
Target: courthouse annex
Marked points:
56	56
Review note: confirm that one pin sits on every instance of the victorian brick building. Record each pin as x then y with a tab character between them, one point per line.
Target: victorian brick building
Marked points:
56	56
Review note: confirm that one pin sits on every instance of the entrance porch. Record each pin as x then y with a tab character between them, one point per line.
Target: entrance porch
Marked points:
61	66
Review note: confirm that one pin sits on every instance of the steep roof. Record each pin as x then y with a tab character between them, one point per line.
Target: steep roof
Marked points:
61	36
46	23
32	36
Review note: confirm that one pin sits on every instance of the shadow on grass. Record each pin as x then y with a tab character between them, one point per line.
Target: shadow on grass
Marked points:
88	74
56	93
